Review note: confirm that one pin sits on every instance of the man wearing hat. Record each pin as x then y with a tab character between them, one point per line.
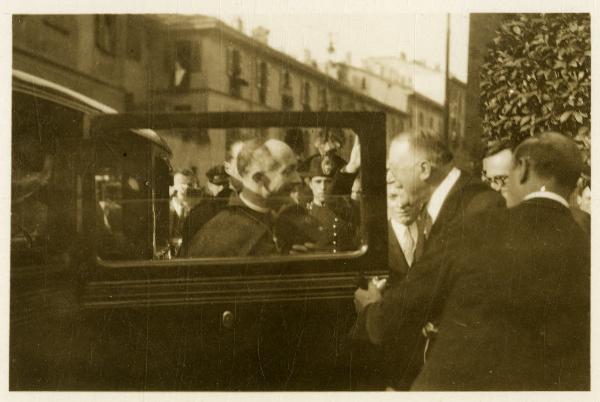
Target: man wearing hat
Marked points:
332	213
217	180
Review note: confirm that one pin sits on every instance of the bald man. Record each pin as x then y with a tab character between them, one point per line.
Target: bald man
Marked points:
267	171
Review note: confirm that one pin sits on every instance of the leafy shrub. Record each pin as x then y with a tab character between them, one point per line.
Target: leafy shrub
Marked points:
537	77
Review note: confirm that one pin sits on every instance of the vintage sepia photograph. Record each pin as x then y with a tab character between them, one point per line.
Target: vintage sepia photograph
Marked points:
298	201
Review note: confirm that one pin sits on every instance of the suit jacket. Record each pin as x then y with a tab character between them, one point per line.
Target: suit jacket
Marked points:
583	219
397	320
517	317
398	266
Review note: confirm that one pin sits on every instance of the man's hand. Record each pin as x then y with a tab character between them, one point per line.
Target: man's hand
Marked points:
363	298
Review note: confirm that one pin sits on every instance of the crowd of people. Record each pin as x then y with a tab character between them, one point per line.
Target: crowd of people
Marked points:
270	201
488	285
489	290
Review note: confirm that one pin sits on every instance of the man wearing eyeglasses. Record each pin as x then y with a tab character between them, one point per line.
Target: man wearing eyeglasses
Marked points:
517	315
496	165
496	168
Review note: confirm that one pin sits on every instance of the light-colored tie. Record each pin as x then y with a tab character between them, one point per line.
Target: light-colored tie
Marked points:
426	223
408	246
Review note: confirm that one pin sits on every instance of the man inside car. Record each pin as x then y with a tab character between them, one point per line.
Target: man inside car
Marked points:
268	171
332	213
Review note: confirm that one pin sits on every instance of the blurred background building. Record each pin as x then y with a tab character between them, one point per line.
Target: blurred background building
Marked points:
184	63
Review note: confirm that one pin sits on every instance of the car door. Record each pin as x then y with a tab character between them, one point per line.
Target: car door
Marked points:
271	322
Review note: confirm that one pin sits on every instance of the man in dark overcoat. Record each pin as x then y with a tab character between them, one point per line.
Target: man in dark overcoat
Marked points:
518	314
402	317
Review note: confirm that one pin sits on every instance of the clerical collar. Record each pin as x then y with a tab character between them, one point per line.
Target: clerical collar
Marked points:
253	206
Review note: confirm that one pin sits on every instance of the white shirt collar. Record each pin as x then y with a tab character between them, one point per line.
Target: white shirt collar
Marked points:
399	229
549	195
441	193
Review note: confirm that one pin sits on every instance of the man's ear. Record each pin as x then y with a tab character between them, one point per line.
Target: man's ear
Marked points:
258	178
424	170
523	170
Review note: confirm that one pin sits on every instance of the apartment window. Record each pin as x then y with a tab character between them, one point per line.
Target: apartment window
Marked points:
363	84
180	78
234	72
106	33
421	119
305	99
431	122
342	73
322	99
287	98
286	81
262	81
337	102
287	102
134	39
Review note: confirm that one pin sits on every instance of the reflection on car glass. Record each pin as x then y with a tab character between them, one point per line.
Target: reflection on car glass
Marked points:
267	197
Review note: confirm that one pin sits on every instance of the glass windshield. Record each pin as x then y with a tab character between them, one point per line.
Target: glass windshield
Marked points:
235	193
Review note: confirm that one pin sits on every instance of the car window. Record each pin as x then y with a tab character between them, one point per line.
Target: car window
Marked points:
43	210
237	193
124	207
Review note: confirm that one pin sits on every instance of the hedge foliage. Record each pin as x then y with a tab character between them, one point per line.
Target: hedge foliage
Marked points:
537	77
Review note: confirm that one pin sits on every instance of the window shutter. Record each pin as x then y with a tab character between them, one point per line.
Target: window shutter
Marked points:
229	61
281	80
196	64
237	63
258	78
266	75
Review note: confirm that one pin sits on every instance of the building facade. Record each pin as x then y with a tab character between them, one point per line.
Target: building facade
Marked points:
414	74
171	63
105	57
457	91
426	116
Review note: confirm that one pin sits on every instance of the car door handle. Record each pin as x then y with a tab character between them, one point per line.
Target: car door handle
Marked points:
227	319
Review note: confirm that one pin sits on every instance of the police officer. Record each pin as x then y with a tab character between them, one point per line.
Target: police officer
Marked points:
333	214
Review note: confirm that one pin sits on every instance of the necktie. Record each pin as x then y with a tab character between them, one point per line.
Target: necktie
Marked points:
426	222
408	246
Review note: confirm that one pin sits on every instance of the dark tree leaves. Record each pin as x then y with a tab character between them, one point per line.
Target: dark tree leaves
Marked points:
537	77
